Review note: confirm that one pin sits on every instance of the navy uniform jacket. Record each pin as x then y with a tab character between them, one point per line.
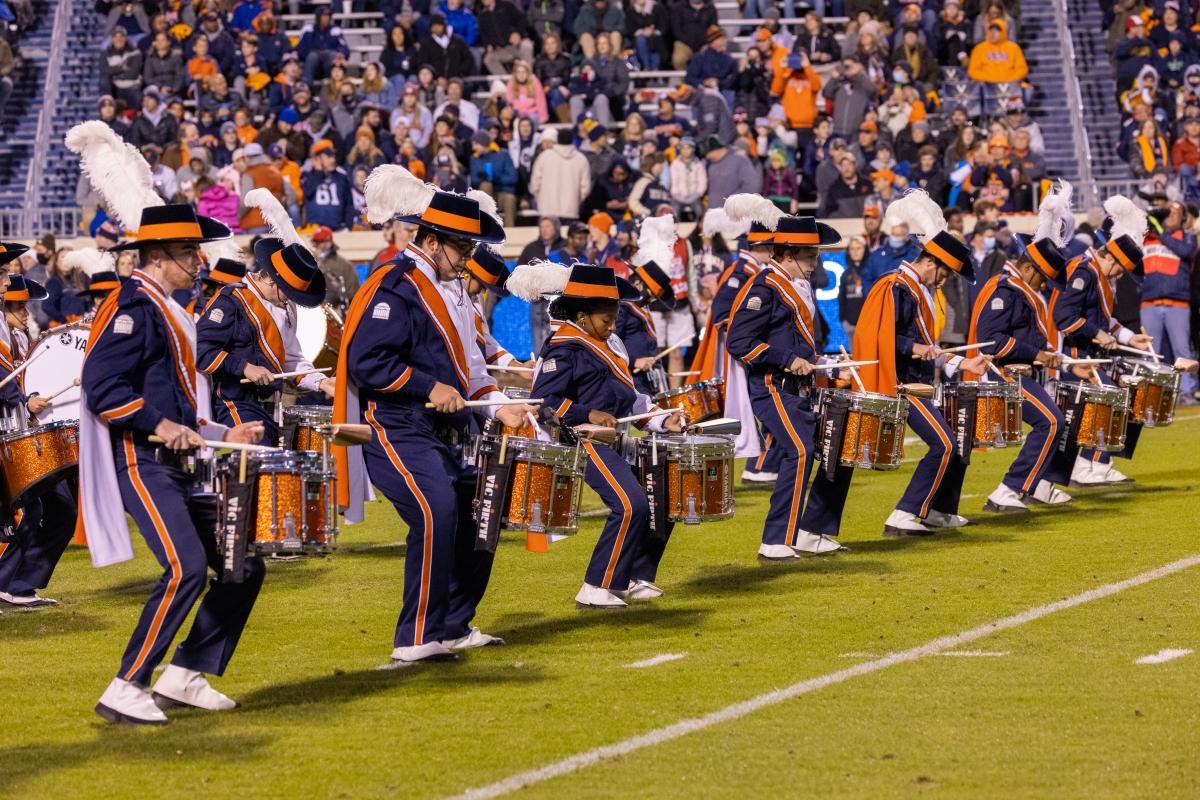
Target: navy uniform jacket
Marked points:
577	374
910	331
11	396
130	376
729	284
1083	308
1011	315
769	328
635	328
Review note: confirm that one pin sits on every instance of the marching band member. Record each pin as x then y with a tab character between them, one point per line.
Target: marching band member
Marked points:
1083	311
486	270
140	379
409	340
583	376
248	331
635	320
771	333
896	328
100	269
225	272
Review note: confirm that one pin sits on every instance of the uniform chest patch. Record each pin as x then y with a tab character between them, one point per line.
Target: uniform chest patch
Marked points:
735	282
216	315
754	303
1077	283
549	365
998	304
123	324
381	311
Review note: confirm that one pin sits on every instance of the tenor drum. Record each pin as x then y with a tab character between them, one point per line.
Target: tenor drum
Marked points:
57	369
872	427
37	457
320	333
293	506
547	482
700	401
1103	413
698	474
306	420
997	411
1153	388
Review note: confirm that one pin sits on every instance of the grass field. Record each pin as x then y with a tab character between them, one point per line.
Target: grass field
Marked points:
1052	707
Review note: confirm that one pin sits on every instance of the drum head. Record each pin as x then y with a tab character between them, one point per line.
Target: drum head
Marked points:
57	369
310	330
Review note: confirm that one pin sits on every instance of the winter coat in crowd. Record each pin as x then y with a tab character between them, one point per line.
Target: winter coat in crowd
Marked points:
561	179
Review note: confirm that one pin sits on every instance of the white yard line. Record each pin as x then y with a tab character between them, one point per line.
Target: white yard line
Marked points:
974	653
1163	656
656	660
736	711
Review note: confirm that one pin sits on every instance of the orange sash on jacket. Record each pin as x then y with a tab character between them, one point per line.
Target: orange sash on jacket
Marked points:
266	331
569	332
875	334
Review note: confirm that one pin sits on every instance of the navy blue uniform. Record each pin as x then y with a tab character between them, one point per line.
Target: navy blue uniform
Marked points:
132	379
635	328
578	374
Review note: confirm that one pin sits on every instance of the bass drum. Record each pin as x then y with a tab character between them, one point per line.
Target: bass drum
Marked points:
57	369
320	333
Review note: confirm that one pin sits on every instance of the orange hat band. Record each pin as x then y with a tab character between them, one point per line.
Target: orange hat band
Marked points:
223	277
105	285
654	286
17	296
797	238
591	290
290	278
1115	250
943	255
169	230
481	272
446	219
764	236
1041	263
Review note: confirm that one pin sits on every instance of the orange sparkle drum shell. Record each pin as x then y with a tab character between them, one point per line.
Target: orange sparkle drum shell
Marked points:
997	411
874	429
699	475
293	508
1103	414
700	401
547	483
1153	390
307	418
37	457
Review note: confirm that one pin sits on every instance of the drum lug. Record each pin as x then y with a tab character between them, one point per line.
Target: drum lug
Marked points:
692	518
1001	439
864	459
536	523
37	445
290	540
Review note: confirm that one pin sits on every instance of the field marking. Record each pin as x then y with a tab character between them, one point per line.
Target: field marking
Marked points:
1163	656
975	653
656	660
736	711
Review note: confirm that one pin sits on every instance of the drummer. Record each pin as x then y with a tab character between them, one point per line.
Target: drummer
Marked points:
408	341
139	380
47	522
897	329
583	379
226	272
1083	312
487	270
635	325
248	333
99	286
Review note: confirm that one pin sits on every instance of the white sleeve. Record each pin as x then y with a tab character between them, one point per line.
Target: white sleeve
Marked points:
951	364
1124	335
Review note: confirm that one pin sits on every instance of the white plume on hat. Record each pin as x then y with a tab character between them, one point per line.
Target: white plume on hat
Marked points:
656	242
275	215
487	204
223	248
1127	219
1056	221
91	260
919	212
717	220
116	171
747	208
531	281
393	191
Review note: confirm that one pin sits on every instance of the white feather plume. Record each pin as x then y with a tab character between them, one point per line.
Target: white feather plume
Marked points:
116	171
1056	221
91	260
393	191
749	208
1128	219
716	220
531	281
223	248
656	242
275	215
918	211
487	204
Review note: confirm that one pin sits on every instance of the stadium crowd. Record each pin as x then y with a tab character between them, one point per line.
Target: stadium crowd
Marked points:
15	17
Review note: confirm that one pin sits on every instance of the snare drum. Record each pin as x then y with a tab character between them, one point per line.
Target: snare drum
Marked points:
699	474
34	458
320	333
547	483
293	507
997	411
53	372
874	427
1153	388
699	401
306	419
1103	413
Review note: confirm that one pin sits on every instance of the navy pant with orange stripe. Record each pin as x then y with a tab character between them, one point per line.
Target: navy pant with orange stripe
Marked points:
826	501
238	412
792	424
768	457
46	529
624	551
1036	460
937	482
432	490
178	525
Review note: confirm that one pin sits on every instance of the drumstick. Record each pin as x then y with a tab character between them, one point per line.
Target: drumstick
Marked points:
1151	345
498	368
12	375
840	364
662	412
850	365
70	385
673	348
1074	361
249	448
1134	350
683	374
277	375
345	434
242	467
507	401
962	348
1096	377
998	371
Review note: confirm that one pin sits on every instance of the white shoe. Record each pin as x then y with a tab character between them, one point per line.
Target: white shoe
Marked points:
777	552
759	477
186	687
640	590
902	523
431	651
1112	474
27	600
125	702
816	544
1005	501
940	519
474	638
1048	494
1084	473
596	597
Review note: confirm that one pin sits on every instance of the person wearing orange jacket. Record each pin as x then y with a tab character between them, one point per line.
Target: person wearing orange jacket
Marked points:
996	59
800	91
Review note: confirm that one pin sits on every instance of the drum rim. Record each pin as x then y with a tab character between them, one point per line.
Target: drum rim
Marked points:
994	388
308	411
40	429
59	330
272	461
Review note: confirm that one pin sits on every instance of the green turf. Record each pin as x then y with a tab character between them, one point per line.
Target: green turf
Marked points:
1065	714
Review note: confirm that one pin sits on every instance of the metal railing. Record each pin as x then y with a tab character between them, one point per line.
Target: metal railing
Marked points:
1085	189
45	125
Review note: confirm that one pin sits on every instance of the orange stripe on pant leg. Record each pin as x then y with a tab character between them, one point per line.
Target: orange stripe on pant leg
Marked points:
798	483
625	518
758	462
1027	486
233	412
160	528
945	462
427	552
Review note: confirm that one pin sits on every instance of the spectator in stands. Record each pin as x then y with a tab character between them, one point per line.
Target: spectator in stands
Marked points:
1032	165
1149	151
1185	157
668	125
588	95
524	93
561	179
461	21
646	25
493	173
828	170
887	257
153	125
648	194
109	116
1166	290
1170	26
690	21
689	181
219	198
610	191
779	182
327	190
319	44
730	172
612	73
216	96
752	83
852	93
444	51
283	85
952	37
290	170
121	69
850	285
221	45
926	173
816	42
199	166
415	116
201	67
284	130
365	152
546	18
244	14
273	45
866	143
127	15
503	34
397	58
712	114
163	67
595	17
921	62
548	240
341	277
260	173
997	59
712	66
883	186
847	195
1134	52
799	99
553	69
